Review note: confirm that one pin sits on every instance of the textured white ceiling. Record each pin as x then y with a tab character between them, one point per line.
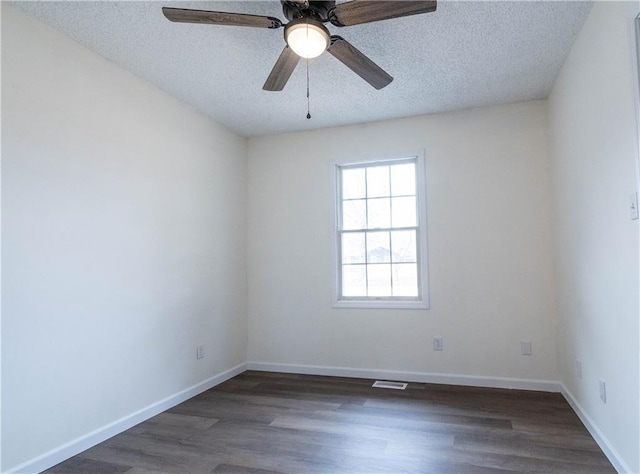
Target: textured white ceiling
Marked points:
466	54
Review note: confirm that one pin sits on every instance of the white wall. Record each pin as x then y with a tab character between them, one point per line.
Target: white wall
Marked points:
594	150
123	241
490	248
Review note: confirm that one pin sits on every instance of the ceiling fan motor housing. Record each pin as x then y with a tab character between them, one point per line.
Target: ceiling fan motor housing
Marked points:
318	10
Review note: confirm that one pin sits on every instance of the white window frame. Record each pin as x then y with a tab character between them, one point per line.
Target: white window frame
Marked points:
422	301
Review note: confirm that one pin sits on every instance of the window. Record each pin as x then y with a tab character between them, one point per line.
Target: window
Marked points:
381	234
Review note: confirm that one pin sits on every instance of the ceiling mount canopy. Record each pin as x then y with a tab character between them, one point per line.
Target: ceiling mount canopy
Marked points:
308	38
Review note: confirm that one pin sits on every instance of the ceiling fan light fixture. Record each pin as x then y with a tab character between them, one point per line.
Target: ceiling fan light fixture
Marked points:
308	38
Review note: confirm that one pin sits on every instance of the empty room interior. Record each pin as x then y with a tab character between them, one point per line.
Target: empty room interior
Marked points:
206	272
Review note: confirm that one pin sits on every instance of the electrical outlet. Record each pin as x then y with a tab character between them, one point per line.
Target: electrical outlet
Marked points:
200	351
437	343
525	348
579	369
633	206
603	391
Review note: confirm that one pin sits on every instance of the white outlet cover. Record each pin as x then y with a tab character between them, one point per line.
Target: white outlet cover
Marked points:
437	343
525	348
633	206
603	391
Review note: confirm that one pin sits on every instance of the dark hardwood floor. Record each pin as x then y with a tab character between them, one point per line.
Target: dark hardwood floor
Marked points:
265	422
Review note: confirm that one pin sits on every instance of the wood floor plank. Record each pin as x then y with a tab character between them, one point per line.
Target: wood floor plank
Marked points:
523	463
519	446
416	421
141	470
139	455
80	464
268	423
260	399
230	430
398	462
173	425
235	469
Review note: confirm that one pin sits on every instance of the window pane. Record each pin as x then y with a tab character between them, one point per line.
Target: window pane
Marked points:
405	279
378	213
403	246
353	183
378	181
354	214
354	280
403	179
353	248
378	249
403	212
379	279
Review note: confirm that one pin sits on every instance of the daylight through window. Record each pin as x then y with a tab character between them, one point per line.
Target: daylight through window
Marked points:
379	231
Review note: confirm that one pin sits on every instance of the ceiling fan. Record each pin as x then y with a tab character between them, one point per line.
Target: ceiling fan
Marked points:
306	36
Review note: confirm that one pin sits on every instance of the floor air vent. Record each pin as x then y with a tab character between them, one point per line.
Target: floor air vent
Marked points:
393	385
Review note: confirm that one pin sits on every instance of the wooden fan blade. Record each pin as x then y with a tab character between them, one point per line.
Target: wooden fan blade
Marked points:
365	11
182	15
364	67
282	70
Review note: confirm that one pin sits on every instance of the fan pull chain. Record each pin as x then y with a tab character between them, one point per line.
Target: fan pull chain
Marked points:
308	100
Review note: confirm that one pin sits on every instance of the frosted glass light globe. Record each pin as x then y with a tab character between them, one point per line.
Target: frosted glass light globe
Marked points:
307	38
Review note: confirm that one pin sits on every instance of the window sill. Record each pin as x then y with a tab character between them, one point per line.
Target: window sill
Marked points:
380	304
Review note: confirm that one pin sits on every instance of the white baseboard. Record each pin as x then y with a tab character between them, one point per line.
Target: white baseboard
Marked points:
421	377
61	453
609	451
